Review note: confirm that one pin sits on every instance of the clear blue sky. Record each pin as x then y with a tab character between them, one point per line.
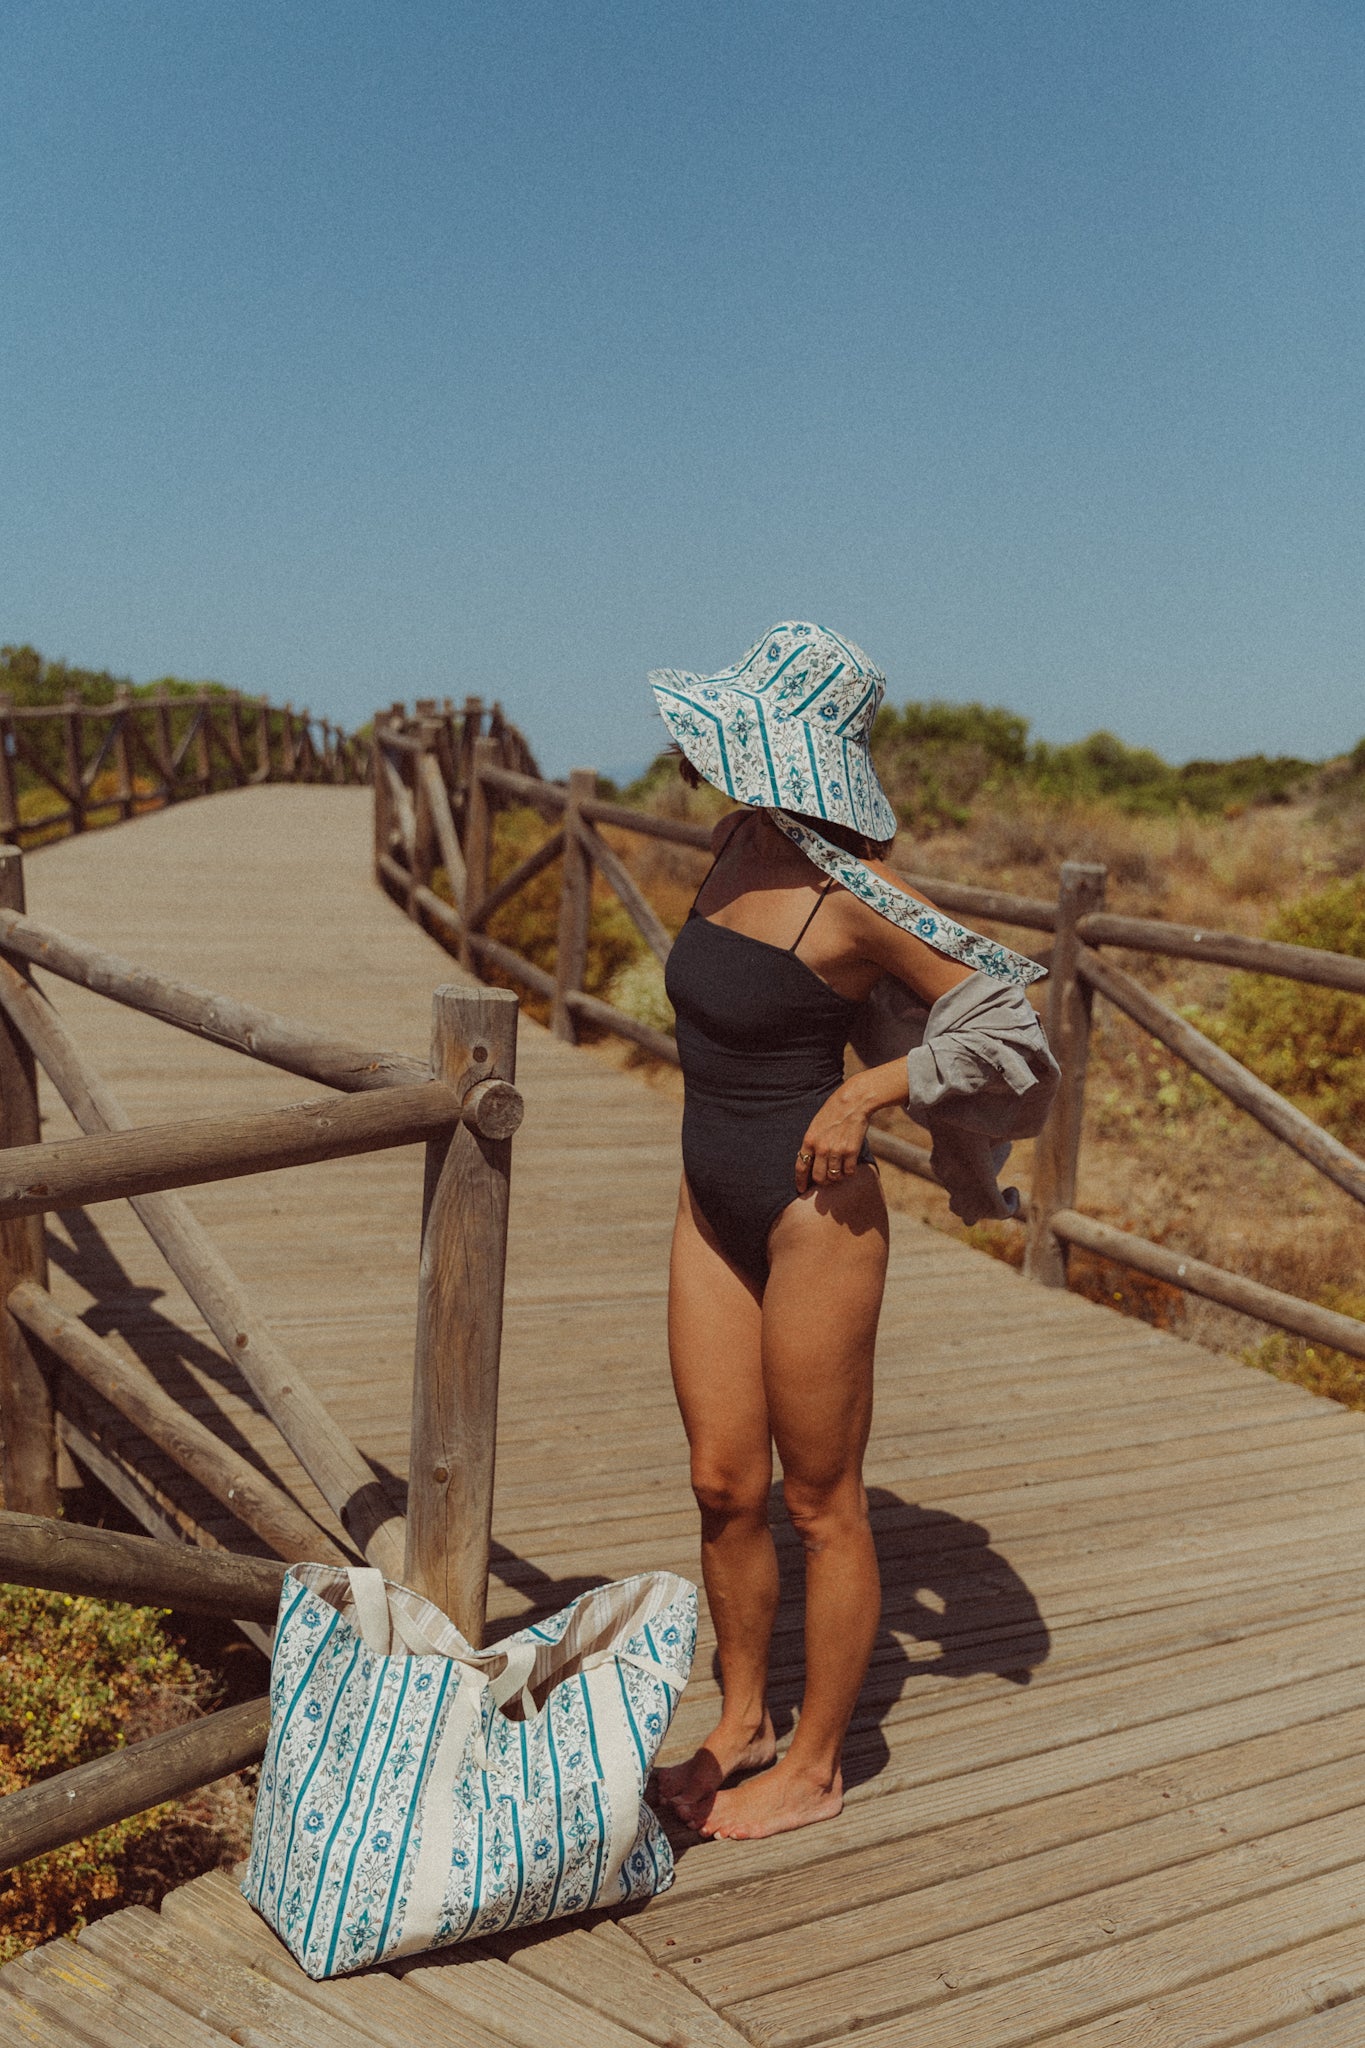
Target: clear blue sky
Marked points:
363	351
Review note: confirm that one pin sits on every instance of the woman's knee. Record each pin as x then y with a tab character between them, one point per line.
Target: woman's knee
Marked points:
726	1492
822	1510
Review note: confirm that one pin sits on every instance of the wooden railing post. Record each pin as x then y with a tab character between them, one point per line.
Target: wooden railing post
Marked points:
165	742
459	1318
575	906
203	766
235	748
383	801
122	750
28	1443
471	731
289	759
72	751
262	770
9	796
1057	1149
477	838
424	848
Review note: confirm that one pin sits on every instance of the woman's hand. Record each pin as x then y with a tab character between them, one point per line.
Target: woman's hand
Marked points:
830	1148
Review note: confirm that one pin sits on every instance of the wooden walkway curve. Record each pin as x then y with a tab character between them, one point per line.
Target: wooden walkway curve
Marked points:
1107	1783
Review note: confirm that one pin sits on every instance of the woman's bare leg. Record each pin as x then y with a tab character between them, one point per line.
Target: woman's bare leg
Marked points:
715	1344
828	1268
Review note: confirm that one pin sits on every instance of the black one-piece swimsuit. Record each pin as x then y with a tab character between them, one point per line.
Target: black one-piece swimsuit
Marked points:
761	1039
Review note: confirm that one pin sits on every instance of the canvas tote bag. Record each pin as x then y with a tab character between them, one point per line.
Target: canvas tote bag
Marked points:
416	1791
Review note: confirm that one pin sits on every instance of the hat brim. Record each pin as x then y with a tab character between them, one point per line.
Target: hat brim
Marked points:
757	756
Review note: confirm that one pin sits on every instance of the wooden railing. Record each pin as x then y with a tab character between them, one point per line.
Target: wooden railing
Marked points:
461	1104
102	762
438	784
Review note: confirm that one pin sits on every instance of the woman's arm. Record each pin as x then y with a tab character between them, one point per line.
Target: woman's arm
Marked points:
830	1148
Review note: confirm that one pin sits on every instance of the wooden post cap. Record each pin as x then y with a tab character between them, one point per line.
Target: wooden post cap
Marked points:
494	1109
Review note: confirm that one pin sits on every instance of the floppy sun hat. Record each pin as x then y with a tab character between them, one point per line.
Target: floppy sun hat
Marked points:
787	727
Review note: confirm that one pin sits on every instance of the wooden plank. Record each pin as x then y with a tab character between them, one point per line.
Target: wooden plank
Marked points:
1024	1939
517	2008
108	2005
23	2022
694	1934
443	825
996	1785
1150	1966
601	1967
283	1042
478	836
211	1914
209	1986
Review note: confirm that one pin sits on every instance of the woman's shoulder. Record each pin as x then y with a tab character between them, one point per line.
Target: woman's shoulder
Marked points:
724	829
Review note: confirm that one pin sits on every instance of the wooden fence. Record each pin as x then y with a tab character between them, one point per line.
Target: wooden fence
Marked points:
439	781
98	763
461	1104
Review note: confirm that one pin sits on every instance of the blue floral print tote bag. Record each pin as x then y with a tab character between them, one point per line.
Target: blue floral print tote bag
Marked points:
416	1791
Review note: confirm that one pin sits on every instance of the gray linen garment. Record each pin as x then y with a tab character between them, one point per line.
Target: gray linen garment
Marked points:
980	1073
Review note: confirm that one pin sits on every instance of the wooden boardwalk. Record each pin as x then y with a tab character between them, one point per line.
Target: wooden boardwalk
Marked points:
1107	1782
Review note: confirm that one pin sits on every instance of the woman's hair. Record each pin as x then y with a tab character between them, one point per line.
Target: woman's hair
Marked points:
843	836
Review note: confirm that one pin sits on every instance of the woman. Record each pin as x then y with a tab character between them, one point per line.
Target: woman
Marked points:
780	1245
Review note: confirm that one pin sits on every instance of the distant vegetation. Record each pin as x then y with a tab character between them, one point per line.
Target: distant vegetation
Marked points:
938	760
27	677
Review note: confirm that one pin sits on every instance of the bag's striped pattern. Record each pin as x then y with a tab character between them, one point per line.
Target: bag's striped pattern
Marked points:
401	1808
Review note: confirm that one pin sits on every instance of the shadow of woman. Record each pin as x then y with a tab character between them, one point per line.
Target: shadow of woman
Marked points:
942	1586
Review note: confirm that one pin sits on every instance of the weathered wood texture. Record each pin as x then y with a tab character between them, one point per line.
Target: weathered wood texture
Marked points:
459	1316
1105	1782
68	1557
189	1152
575	907
125	1383
28	1445
1057	1152
129	1780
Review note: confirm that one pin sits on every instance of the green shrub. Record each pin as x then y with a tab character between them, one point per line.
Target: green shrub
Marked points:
1335	1374
638	989
78	1678
1307	1042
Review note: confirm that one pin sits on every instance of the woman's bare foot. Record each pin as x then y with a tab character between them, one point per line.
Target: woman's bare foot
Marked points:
690	1788
773	1804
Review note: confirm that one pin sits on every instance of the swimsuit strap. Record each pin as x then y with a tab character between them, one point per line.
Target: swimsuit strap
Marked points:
814	907
716	860
911	913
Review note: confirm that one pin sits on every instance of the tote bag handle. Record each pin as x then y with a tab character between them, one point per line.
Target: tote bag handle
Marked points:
376	1617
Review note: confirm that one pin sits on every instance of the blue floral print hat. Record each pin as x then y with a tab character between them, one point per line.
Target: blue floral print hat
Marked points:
788	726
